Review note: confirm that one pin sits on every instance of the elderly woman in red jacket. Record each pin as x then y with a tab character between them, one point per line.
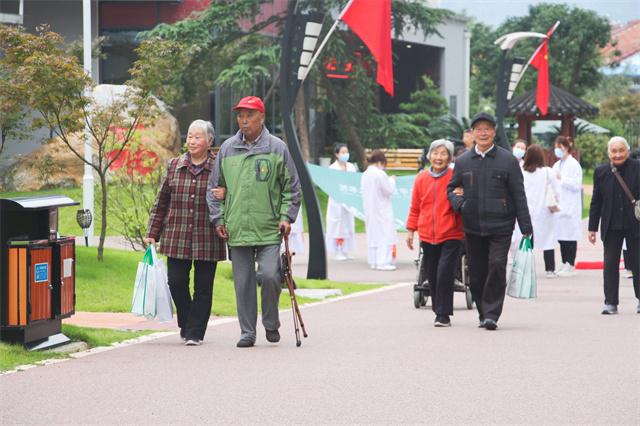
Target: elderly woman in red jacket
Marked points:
439	229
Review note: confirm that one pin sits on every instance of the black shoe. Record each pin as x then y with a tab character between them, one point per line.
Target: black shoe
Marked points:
442	321
490	324
273	336
245	343
480	321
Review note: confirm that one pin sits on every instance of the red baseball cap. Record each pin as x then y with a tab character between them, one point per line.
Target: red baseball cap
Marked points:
250	102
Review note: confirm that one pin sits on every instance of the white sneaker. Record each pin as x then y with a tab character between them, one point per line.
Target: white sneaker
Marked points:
193	342
340	256
386	268
628	274
562	268
551	274
569	271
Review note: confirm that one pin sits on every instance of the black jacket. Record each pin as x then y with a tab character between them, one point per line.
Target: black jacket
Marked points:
603	192
493	193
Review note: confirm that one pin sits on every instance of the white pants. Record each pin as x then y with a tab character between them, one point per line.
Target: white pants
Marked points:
379	256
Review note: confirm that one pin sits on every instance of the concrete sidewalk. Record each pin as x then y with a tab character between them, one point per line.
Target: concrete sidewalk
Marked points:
369	359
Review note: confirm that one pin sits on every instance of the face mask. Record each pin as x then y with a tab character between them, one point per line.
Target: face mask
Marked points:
518	152
558	152
343	157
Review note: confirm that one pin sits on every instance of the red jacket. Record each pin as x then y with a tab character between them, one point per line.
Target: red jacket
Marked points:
431	213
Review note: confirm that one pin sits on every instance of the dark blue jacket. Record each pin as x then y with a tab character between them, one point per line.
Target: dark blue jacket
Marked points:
493	193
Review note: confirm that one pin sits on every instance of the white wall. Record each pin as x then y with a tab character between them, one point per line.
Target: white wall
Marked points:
454	66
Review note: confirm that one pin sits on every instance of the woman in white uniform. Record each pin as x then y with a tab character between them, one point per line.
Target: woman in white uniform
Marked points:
569	218
296	236
341	227
377	188
537	178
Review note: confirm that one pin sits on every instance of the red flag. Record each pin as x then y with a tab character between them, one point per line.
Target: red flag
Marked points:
541	62
371	21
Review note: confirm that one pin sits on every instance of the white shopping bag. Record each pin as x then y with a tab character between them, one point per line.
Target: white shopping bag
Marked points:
522	282
164	305
144	291
151	295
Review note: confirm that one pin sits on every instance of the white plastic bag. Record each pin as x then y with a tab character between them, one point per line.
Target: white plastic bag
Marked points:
151	295
522	282
164	304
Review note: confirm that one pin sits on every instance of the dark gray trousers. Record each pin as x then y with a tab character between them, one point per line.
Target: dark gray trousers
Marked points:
243	261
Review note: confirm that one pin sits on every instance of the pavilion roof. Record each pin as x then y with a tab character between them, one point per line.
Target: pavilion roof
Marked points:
561	103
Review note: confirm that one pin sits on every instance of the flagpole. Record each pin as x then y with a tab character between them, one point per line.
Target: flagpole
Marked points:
331	30
524	69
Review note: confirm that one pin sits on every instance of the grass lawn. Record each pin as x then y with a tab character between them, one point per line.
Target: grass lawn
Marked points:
67	224
587	177
14	355
108	286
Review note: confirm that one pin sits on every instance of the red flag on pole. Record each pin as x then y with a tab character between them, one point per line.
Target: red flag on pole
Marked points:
371	21
541	62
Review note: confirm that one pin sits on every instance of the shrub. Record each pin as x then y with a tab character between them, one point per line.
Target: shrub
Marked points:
593	149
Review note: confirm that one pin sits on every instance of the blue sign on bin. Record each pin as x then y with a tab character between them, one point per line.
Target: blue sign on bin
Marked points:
41	272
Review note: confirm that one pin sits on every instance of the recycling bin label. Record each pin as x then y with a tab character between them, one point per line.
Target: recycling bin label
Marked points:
41	272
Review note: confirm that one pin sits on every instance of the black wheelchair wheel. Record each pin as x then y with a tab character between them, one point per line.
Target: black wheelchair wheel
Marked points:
464	269
468	297
417	299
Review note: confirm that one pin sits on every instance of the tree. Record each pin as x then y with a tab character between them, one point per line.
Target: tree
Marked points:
237	56
12	113
623	108
353	102
47	79
411	127
574	49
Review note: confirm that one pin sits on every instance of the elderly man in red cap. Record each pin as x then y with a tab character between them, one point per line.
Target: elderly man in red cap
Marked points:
262	200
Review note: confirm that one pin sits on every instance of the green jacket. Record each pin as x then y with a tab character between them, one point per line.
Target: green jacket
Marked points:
262	189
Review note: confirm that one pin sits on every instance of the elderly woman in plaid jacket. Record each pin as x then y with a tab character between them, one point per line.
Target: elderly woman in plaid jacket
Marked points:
180	221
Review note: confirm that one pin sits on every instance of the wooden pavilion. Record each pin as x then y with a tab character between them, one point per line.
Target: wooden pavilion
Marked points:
563	106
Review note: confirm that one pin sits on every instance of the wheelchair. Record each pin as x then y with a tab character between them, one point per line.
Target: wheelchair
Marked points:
462	282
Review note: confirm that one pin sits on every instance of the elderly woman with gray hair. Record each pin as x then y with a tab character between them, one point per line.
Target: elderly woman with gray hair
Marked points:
180	221
439	229
616	187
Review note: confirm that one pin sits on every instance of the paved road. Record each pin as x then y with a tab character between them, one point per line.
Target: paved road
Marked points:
369	359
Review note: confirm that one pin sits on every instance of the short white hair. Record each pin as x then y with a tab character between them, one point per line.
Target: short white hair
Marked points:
441	142
205	126
618	139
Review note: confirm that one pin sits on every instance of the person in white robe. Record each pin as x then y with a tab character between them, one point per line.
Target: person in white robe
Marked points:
537	179
296	236
377	188
569	218
341	227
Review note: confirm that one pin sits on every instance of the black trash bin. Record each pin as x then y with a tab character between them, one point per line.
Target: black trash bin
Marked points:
37	278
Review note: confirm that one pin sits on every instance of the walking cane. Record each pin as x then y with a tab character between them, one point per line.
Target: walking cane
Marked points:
291	285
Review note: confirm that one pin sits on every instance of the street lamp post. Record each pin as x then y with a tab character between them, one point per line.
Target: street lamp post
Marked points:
87	179
298	43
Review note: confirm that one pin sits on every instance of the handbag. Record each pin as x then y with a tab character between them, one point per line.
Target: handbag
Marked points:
551	199
635	203
522	282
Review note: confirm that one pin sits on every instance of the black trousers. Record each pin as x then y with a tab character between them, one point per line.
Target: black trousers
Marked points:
612	248
440	262
568	250
487	257
193	314
549	258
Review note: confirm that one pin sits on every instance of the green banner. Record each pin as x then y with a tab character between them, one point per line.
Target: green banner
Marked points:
344	188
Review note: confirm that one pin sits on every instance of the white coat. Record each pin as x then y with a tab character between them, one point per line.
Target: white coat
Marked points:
296	240
543	221
569	218
340	223
377	188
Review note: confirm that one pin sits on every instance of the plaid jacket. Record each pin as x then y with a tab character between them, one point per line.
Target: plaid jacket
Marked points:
180	216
